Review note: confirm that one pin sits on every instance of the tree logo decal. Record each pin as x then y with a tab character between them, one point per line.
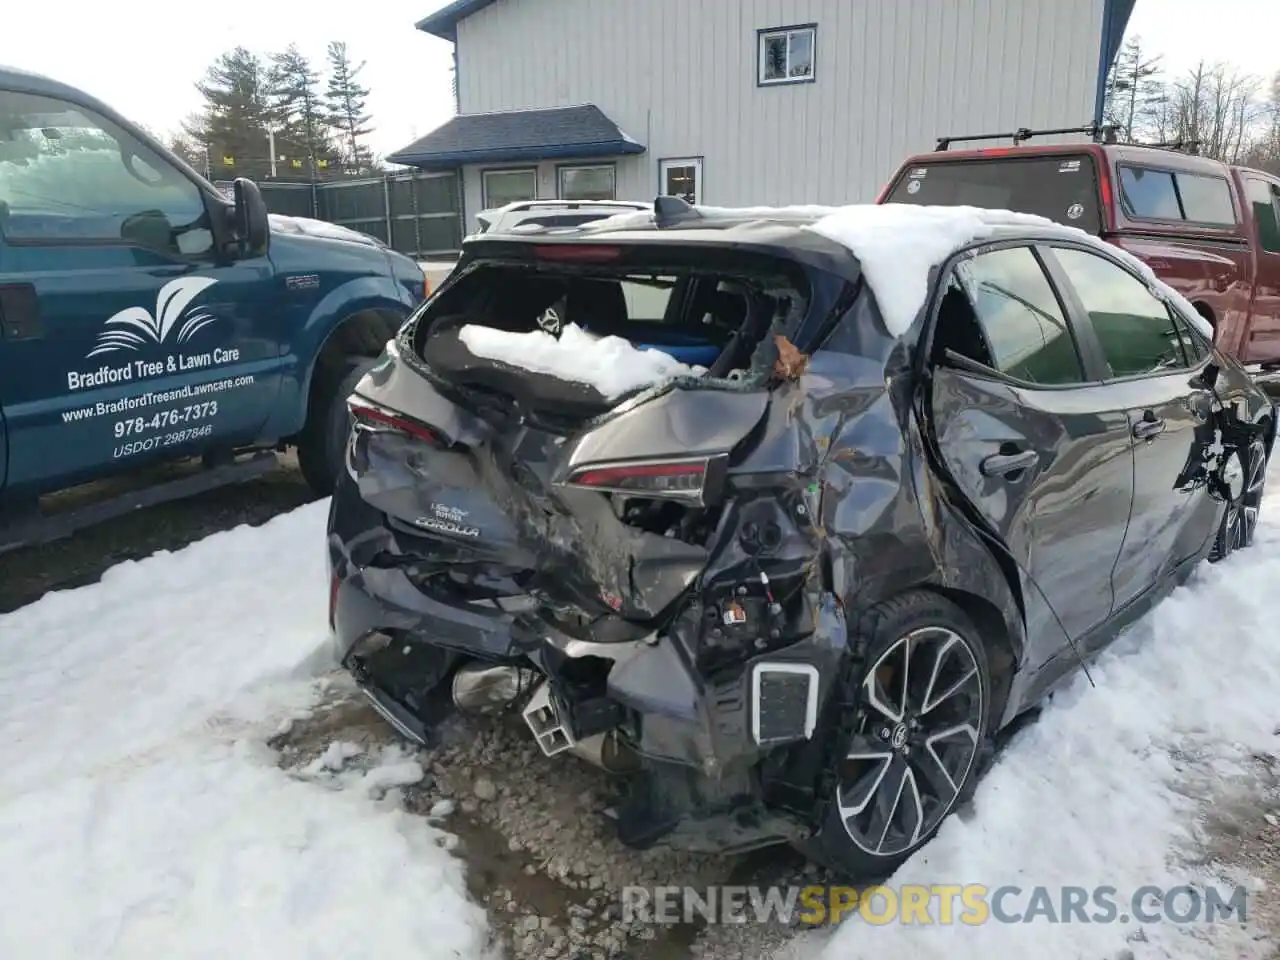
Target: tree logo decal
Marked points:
136	327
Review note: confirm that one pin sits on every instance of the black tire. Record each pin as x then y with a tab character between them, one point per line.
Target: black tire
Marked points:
322	443
939	645
1246	481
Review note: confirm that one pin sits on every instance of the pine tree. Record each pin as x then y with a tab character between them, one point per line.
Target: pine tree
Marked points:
302	133
233	124
1133	89
346	100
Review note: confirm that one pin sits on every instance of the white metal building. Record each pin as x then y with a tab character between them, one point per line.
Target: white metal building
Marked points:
747	101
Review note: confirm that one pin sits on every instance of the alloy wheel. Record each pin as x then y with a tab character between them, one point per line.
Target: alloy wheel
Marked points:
1246	479
924	701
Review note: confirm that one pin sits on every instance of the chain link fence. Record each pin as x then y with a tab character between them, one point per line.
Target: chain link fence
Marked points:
418	214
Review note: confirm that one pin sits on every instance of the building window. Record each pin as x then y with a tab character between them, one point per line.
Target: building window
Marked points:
588	183
681	177
509	186
787	54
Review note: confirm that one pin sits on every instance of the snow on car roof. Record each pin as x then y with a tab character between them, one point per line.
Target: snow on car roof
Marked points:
899	244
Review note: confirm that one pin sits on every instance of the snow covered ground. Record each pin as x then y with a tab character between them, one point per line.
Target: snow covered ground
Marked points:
142	815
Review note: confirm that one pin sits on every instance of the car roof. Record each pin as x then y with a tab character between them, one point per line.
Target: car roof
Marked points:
783	231
751	224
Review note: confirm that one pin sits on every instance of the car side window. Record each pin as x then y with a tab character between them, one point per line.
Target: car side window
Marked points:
69	175
1193	347
1023	328
1264	199
1135	328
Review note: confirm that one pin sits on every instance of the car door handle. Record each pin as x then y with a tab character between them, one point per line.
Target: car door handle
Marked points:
19	312
1148	428
1002	464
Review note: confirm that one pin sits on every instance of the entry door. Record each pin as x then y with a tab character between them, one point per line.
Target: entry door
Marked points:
681	177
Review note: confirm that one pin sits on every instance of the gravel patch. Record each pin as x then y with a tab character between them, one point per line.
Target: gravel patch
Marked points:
541	856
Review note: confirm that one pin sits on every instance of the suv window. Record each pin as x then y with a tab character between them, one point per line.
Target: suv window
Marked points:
69	175
1136	330
1023	330
1163	195
1264	198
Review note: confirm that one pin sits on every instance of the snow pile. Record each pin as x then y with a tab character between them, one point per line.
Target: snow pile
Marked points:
141	814
1107	785
610	365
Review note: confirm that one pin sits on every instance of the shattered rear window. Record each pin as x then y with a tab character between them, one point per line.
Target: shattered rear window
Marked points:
617	328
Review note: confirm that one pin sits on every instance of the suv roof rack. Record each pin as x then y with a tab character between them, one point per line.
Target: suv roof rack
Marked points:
1101	133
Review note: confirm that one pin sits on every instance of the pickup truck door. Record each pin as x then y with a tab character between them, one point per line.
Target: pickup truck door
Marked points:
1262	195
125	338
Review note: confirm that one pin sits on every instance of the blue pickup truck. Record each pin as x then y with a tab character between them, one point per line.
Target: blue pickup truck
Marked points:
146	316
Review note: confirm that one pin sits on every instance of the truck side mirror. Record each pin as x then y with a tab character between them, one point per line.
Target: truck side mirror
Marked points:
252	226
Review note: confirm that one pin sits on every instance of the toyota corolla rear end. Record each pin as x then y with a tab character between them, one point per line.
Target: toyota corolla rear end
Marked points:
621	550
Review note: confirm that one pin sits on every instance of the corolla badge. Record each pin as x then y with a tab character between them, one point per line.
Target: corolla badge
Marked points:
448	520
135	327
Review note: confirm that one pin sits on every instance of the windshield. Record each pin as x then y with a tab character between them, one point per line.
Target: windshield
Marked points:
1060	188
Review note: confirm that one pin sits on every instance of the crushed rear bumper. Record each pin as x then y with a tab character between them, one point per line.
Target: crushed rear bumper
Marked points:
698	744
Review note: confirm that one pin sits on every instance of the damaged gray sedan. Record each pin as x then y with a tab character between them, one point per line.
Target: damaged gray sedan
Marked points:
780	516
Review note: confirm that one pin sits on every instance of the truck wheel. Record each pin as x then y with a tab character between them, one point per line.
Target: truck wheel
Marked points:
322	443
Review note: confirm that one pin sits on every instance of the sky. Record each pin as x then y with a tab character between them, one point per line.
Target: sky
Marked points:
151	79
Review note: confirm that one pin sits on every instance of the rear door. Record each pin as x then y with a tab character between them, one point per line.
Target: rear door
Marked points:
1038	451
1150	364
127	338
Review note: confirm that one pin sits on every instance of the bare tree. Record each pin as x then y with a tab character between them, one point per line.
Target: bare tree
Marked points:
1214	106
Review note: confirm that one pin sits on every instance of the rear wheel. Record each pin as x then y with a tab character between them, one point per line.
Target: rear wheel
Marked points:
323	441
1245	477
914	752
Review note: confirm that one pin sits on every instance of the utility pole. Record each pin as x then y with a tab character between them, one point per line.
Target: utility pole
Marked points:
271	145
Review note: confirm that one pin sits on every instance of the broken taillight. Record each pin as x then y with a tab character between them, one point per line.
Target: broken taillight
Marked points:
369	416
695	480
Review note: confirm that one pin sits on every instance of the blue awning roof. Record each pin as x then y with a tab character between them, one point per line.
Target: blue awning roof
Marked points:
518	135
444	22
1115	20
